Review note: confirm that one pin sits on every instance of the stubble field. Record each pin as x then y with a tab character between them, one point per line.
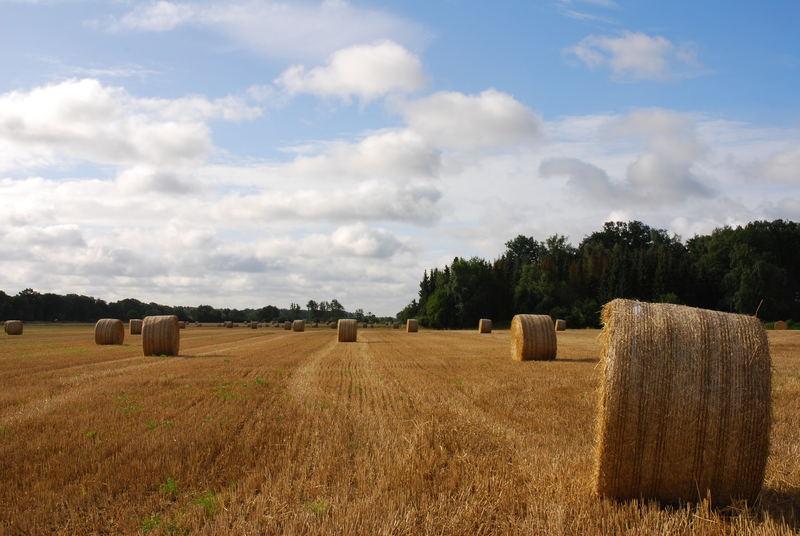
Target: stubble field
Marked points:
274	432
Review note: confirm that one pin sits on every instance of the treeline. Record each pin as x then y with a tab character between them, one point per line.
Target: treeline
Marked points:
732	269
29	305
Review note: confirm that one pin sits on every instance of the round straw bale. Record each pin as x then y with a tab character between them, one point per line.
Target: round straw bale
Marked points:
412	326
182	324
109	331
348	330
484	325
198	325
684	409
780	324
135	326
253	325
315	325
228	324
13	327
561	325
396	325
533	337
161	335
299	325
287	325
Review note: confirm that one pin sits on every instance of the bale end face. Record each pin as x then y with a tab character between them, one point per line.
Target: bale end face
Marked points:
13	327
684	411
484	325
161	335
347	330
533	338
412	326
109	331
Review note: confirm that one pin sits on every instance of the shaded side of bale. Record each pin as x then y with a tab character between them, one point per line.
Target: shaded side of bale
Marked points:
412	326
484	325
135	326
561	325
13	327
347	330
684	410
109	331
287	325
533	338
161	335
780	324
298	325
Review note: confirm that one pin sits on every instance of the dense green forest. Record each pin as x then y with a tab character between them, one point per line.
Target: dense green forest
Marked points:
732	269
29	305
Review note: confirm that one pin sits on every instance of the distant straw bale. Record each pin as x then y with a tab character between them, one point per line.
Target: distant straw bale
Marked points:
287	325
348	330
684	411
13	327
135	326
780	324
561	325
533	337
228	324
299	325
161	335
484	325
109	331
412	326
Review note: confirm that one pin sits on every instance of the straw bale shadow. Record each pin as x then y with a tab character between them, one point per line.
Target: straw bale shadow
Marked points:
781	506
579	360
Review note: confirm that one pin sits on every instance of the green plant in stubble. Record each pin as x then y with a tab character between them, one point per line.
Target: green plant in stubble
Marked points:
169	488
208	500
318	507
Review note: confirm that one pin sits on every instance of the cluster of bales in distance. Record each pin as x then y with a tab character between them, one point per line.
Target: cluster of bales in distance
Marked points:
684	410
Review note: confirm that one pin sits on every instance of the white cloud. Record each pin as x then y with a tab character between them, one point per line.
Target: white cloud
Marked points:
638	56
301	29
83	120
364	71
492	118
783	166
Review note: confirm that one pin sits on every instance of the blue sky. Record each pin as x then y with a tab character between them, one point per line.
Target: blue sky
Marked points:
250	152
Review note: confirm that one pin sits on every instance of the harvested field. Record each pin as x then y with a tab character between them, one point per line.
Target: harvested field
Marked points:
265	432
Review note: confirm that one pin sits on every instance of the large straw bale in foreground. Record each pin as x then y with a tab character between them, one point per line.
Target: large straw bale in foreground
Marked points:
484	325
135	326
561	325
780	324
412	326
348	330
533	337
161	335
684	404
109	331
298	325
13	327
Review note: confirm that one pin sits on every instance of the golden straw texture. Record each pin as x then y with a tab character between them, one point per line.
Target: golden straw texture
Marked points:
684	408
109	331
135	326
412	326
13	327
484	325
161	335
533	337
348	330
561	325
298	325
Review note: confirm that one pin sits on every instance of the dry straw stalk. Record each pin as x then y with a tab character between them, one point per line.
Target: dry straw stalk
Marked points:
412	326
484	325
533	337
13	327
684	404
161	335
348	330
135	326
109	331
